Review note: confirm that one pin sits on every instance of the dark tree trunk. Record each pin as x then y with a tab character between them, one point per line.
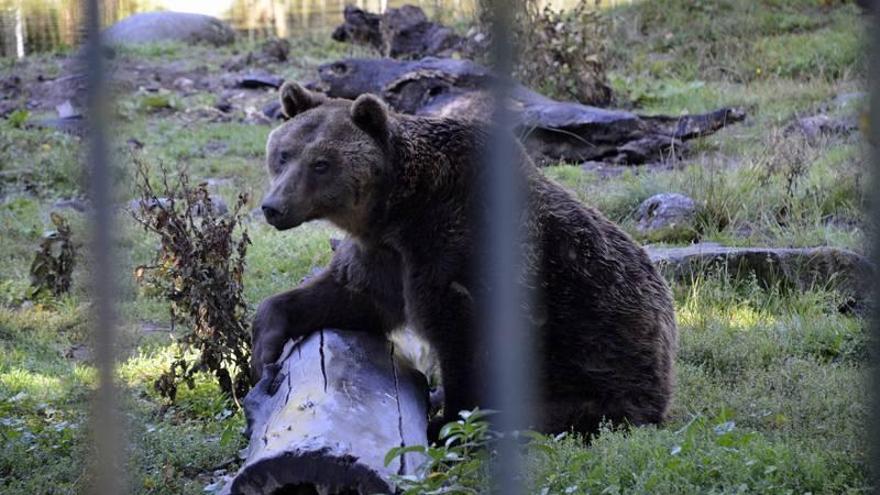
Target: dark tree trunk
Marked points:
557	130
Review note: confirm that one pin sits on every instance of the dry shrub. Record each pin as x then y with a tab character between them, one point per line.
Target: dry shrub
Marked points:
52	269
198	270
559	53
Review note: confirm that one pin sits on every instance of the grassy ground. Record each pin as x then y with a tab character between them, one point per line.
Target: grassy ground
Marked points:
770	395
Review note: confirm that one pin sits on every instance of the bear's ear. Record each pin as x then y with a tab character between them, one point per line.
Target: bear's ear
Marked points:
296	99
370	114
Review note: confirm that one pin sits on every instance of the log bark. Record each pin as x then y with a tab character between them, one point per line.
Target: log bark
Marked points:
322	419
557	130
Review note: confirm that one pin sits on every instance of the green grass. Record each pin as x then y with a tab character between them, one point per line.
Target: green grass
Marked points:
771	394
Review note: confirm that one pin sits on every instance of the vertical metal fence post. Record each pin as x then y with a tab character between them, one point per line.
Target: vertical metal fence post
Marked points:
874	233
510	366
105	421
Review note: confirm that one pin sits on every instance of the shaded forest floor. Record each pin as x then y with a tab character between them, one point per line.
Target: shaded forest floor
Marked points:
770	397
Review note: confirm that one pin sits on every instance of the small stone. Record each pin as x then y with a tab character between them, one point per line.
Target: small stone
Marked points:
844	100
272	110
667	217
820	125
223	105
72	204
67	111
78	352
183	84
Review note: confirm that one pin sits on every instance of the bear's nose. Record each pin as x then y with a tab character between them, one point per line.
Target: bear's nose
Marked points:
270	212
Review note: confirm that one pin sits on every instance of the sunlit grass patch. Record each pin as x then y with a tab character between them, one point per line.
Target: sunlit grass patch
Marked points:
824	54
733	39
707	454
45	161
278	261
38	385
731	325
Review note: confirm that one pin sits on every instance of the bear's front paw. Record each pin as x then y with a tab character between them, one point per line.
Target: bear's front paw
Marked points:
267	347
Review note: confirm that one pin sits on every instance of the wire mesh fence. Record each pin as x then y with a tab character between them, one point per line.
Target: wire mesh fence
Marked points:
511	368
506	328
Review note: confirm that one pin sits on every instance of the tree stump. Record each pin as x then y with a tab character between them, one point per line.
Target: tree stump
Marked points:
322	419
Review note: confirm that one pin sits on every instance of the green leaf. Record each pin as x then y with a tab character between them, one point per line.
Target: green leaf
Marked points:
18	118
399	451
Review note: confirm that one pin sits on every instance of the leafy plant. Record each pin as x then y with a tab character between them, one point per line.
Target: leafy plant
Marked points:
198	270
458	465
52	268
18	118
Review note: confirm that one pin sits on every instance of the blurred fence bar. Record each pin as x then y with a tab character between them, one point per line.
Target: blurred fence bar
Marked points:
874	234
106	431
510	369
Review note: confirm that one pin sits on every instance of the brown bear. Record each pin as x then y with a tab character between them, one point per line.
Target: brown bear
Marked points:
406	189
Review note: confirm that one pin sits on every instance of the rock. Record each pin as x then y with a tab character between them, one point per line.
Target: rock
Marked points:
73	125
72	204
217	182
800	268
845	100
822	125
272	110
153	327
183	84
79	352
151	27
224	105
667	217
67	111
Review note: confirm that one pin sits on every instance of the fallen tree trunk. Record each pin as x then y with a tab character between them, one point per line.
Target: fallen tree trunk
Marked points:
557	130
844	271
322	419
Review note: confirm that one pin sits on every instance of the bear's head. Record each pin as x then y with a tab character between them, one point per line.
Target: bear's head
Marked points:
325	160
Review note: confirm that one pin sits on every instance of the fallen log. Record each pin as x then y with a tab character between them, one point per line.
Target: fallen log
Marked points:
557	130
842	270
322	419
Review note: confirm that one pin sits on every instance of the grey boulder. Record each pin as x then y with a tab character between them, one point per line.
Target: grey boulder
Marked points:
667	217
152	27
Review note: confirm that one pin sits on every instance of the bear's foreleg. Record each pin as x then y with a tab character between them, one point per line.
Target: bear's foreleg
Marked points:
444	313
320	303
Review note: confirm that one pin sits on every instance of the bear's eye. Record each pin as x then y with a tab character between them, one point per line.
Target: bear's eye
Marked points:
283	157
320	166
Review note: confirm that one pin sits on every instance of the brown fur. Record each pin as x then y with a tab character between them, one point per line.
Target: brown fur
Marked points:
406	189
